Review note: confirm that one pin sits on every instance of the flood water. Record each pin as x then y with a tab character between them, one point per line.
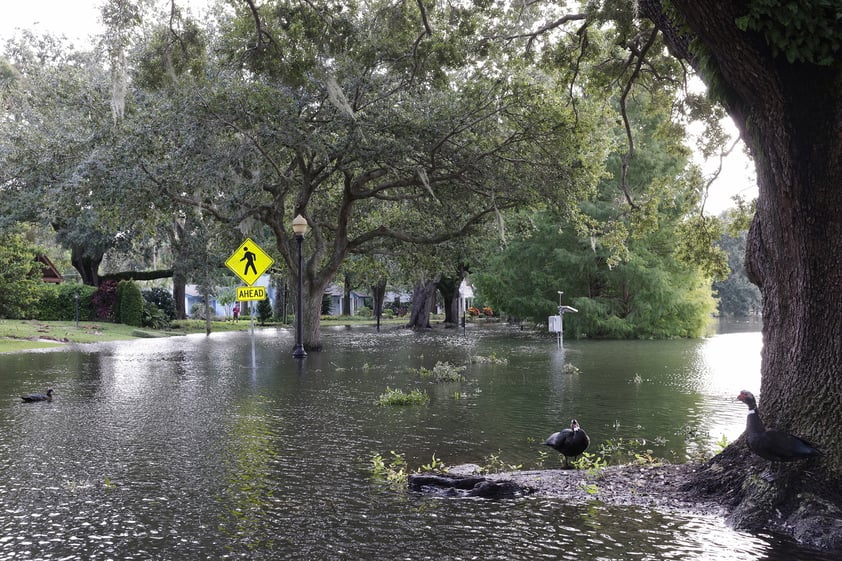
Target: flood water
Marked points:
225	447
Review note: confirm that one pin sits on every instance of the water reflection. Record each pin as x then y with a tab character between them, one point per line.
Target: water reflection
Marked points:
227	448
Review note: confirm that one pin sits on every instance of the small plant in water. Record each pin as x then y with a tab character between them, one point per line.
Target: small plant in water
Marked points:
493	359
393	471
435	465
493	464
570	369
443	372
400	397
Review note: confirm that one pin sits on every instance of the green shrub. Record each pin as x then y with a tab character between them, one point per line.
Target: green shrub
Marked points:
58	302
264	310
20	277
364	312
154	317
163	300
131	303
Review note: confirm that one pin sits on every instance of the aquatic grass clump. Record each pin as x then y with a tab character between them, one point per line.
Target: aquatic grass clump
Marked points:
493	359
400	397
443	372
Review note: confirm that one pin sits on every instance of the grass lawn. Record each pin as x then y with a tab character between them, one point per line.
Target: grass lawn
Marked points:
19	335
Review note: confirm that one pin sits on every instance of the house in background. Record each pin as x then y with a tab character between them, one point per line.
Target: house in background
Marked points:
336	294
49	273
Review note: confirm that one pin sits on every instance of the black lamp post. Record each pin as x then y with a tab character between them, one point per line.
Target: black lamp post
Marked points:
299	226
76	297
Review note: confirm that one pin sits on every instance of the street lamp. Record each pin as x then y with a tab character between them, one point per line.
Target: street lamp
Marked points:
299	226
76	297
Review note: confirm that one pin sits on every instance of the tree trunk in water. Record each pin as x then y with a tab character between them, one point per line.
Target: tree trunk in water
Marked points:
790	115
312	319
423	300
449	288
378	293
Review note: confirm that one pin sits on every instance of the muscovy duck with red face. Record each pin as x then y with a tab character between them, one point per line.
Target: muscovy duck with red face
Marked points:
770	444
570	442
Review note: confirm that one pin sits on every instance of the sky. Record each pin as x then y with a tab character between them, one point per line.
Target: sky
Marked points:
78	19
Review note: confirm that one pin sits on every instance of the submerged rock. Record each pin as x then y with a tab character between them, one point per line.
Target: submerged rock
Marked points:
454	485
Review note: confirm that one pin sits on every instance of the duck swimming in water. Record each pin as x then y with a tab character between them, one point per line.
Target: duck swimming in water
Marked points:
38	396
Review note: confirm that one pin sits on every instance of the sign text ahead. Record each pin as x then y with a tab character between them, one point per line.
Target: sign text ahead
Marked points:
251	293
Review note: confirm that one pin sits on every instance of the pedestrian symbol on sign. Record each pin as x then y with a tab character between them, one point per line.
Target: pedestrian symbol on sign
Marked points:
248	257
249	262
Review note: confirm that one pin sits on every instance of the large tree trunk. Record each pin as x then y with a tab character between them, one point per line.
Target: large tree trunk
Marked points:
179	295
449	288
87	265
790	116
423	300
312	318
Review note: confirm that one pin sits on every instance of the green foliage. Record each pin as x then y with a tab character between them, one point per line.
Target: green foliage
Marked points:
163	300
364	312
443	372
20	277
393	471
131	303
494	464
802	31
58	302
492	359
400	397
434	465
648	295
264	311
153	316
737	296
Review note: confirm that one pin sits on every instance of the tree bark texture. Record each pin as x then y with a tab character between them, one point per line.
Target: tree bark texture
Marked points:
423	300
449	289
790	116
87	266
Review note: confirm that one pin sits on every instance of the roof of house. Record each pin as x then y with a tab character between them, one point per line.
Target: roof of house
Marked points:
49	273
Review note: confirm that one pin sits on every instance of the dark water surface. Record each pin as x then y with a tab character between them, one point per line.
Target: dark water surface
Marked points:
224	447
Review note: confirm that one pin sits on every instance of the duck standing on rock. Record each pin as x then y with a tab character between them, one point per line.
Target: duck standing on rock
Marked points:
773	445
570	442
38	396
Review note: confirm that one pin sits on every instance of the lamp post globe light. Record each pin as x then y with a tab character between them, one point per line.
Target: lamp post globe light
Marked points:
299	227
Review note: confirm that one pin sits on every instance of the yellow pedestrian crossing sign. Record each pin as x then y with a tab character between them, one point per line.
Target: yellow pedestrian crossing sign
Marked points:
249	262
